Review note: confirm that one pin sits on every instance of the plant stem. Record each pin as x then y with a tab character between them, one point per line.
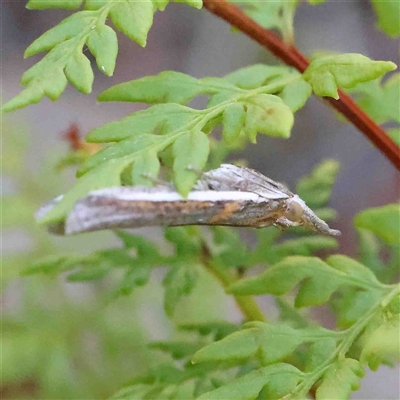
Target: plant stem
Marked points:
349	337
290	55
246	304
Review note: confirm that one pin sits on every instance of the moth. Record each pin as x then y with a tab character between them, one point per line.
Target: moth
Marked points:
228	196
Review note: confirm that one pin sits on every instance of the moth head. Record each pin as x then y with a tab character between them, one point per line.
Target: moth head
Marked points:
295	210
298	212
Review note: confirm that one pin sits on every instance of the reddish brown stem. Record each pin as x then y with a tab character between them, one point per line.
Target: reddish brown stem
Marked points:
290	55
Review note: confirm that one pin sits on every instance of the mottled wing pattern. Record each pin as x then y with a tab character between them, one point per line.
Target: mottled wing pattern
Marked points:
134	207
231	177
228	195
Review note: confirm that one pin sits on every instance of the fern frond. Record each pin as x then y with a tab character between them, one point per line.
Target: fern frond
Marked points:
65	61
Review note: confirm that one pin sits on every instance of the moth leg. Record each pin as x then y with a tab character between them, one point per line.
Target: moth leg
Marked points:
282	223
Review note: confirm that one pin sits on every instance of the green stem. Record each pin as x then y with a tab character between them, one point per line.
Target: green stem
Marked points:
349	337
246	304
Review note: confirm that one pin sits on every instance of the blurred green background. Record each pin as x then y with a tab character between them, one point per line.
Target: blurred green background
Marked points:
73	340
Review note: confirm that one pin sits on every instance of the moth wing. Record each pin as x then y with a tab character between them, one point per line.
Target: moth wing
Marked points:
232	177
117	208
135	207
266	183
100	209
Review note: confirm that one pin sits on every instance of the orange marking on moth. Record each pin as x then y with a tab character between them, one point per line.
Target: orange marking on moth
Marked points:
226	212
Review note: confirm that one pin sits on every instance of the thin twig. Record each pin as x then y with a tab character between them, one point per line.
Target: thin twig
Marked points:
290	55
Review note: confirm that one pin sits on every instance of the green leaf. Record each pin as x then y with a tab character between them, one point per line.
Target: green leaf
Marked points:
104	168
186	240
166	87
238	345
391	273
317	279
133	18
296	94
267	114
177	349
257	75
327	74
281	384
137	275
48	76
106	175
103	44
230	251
89	273
276	14
271	343
180	126
275	252
79	72
145	169
352	268
190	155
65	30
179	282
52	87
219	329
116	257
280	379
384	222
382	346
99	263
46	4
160	4
291	316
353	305
57	263
316	188
303	246
169	116
276	342
66	40
281	277
394	305
194	3
340	380
319	351
395	135
143	247
95	4
267	14
128	149
138	392
388	13
369	248
380	101
72	159
233	119
171	86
